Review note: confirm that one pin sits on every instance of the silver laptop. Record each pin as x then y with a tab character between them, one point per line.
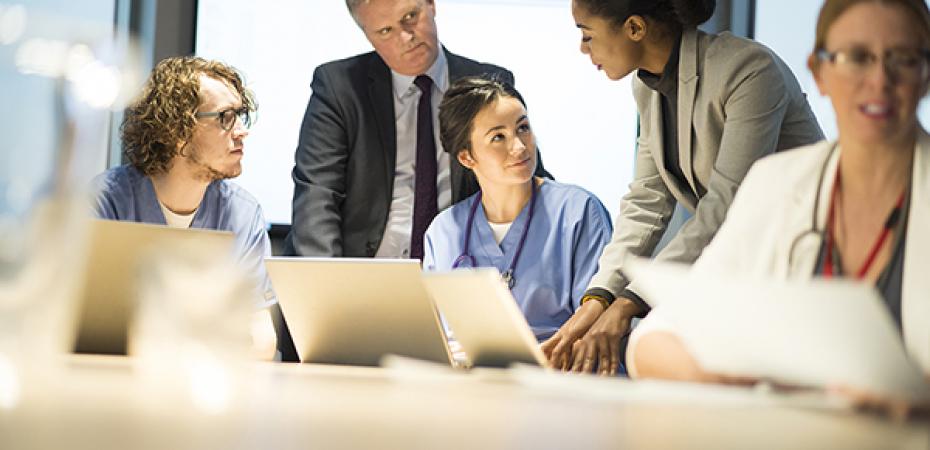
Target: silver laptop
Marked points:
355	311
109	289
484	318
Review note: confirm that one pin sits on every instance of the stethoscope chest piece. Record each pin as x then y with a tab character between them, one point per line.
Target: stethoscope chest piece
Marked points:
467	260
507	277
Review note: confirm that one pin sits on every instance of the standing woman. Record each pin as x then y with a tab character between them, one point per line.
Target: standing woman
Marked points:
709	106
543	236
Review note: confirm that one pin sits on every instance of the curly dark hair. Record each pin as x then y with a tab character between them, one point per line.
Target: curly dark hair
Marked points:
163	115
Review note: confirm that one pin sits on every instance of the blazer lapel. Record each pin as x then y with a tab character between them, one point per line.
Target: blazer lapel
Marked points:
651	126
458	66
915	304
806	229
456	171
687	92
381	95
460	179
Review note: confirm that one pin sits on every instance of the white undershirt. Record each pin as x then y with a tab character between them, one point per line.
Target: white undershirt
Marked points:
175	220
396	240
500	230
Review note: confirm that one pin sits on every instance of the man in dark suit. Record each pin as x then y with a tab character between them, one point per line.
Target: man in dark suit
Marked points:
370	172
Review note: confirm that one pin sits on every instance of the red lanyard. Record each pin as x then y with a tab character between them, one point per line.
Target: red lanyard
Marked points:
882	237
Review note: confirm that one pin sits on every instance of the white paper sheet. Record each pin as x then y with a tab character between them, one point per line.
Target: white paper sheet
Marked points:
812	333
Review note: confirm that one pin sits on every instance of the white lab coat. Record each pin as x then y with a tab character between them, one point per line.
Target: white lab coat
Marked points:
775	205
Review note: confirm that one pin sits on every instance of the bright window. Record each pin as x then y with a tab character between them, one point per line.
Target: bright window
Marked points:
28	120
787	26
585	124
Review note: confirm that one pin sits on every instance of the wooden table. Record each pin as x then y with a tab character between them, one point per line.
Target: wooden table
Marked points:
117	403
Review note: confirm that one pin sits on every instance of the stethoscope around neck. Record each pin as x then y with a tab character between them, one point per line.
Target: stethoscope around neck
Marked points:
467	260
813	231
820	234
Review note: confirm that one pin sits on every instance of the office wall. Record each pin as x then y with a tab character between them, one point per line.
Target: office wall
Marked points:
585	124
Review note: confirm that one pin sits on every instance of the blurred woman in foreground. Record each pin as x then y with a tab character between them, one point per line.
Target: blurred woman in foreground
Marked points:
857	208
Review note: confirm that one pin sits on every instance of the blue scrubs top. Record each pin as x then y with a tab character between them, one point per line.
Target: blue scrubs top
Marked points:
124	193
570	228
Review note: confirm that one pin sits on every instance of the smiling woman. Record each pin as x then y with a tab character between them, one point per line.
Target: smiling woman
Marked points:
867	194
543	236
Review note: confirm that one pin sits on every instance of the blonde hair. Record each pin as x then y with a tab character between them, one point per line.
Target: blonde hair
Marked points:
833	9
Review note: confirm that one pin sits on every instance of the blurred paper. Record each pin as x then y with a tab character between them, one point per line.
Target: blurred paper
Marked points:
659	392
810	333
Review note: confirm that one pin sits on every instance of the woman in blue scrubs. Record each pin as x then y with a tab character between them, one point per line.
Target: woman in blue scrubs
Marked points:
544	237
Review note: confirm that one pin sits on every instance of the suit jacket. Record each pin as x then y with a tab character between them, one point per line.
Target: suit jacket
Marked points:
346	157
737	101
775	211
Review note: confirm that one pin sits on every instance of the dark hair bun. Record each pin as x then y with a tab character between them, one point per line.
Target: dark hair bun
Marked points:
691	13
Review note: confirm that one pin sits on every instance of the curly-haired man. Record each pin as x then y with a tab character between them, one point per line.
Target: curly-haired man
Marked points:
183	137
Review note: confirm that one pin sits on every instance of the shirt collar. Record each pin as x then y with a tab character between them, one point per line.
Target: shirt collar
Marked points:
438	72
668	81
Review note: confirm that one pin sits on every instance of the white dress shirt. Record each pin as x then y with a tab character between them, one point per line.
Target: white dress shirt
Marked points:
396	240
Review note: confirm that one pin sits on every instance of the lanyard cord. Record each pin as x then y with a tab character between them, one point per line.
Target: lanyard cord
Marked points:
879	242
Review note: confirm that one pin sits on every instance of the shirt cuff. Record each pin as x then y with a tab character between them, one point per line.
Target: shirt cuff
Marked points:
638	301
600	292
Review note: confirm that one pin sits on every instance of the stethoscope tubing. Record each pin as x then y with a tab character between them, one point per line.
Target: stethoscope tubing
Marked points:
466	256
813	230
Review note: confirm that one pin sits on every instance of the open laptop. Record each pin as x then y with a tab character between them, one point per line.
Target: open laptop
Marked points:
808	333
109	290
484	318
355	311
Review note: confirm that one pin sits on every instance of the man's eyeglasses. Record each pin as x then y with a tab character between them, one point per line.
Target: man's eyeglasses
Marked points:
907	64
227	117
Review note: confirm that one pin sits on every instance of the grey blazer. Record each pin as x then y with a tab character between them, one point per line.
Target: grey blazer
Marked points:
737	102
345	159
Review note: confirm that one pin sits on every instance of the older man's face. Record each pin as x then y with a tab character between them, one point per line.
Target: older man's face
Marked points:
403	32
